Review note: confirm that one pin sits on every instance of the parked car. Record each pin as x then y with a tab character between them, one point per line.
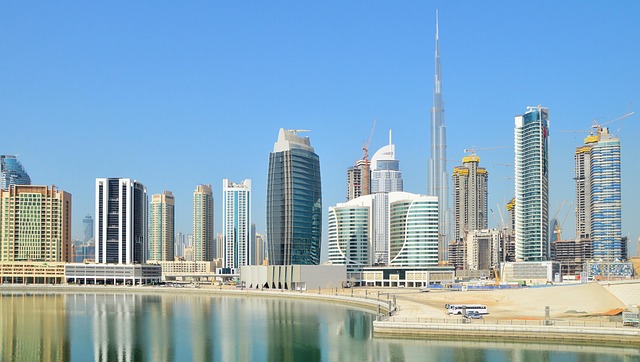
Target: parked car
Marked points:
473	315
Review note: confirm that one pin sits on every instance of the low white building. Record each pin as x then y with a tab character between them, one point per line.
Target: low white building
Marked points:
293	277
531	272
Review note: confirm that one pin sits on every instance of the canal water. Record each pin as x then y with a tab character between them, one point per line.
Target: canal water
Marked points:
145	327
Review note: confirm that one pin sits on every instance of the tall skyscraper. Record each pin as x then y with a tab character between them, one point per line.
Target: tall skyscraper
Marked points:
161	227
356	180
385	178
179	244
12	172
294	201
236	223
260	249
470	197
438	175
121	221
385	170
598	194
203	236
36	224
87	228
531	144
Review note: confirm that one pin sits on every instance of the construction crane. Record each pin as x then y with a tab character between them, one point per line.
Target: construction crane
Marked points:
296	131
596	127
559	226
365	157
473	149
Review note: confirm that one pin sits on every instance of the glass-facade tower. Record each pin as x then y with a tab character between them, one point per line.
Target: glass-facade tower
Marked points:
12	172
236	223
603	208
294	201
531	146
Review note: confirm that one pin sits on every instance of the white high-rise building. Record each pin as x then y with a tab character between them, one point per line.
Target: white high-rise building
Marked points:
121	221
385	170
236	223
385	178
531	146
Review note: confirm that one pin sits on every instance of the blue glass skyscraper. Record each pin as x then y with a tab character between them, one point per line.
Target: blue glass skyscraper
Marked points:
294	201
531	146
12	172
605	197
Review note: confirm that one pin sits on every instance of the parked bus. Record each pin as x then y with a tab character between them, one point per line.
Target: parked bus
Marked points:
460	309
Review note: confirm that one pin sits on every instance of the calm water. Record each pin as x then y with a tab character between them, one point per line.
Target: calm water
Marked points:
117	327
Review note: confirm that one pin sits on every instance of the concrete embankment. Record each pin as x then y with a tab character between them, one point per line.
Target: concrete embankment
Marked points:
557	334
373	304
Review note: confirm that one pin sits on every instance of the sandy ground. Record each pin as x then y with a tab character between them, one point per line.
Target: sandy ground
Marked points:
565	302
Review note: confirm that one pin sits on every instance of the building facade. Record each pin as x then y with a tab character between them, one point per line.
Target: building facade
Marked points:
203	233
350	231
385	178
438	184
413	230
470	197
12	172
358	180
483	249
87	229
605	201
532	184
35	224
236	223
121	221
161	227
294	201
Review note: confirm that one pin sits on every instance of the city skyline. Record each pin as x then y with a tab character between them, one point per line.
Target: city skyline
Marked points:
333	80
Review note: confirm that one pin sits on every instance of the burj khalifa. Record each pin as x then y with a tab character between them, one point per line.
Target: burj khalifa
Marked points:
438	175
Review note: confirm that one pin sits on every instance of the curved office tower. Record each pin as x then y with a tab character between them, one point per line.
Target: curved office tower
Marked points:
12	172
413	230
294	201
532	184
350	227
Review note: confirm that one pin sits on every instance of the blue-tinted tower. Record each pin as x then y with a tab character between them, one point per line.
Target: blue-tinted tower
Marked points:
12	172
294	201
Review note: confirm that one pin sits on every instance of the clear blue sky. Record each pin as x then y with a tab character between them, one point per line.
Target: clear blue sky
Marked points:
177	94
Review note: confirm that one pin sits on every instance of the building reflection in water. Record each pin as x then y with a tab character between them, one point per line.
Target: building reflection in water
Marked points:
34	328
141	327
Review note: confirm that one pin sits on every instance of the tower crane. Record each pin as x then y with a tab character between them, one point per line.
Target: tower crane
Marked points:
559	226
365	157
596	127
473	149
296	131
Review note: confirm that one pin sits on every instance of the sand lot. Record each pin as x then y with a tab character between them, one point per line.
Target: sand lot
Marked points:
565	302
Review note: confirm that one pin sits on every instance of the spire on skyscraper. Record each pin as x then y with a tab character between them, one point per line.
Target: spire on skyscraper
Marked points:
438	177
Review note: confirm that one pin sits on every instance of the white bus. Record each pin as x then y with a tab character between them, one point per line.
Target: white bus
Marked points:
460	309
